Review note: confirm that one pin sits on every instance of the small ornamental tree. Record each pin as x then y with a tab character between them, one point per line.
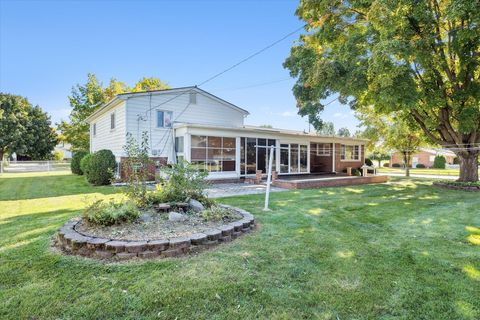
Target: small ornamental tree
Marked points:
439	162
136	167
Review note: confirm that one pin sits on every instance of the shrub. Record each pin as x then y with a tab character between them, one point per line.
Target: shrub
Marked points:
58	155
457	161
420	166
75	164
110	213
439	162
368	162
102	168
386	164
217	213
356	172
396	165
183	182
85	163
136	168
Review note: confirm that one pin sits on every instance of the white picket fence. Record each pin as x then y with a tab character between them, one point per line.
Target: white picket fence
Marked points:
35	166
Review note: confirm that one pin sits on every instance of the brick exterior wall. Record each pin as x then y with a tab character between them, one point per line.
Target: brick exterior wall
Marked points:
342	165
423	158
152	168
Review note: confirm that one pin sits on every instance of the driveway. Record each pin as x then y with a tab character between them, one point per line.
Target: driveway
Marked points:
237	189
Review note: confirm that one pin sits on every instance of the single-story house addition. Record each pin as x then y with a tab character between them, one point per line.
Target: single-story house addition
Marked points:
425	156
192	124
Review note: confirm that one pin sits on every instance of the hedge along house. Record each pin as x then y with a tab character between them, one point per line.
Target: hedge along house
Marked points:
191	124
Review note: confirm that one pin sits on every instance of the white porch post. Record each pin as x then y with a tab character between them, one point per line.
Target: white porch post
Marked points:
333	157
187	142
238	141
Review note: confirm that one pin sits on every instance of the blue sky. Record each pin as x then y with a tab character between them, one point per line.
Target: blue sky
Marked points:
46	47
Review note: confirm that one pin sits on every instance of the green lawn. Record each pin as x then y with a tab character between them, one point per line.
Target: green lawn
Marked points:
402	250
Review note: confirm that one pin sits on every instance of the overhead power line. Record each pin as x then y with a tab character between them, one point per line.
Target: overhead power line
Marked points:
252	55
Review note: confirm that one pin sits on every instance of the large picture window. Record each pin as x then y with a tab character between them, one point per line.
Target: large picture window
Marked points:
213	154
350	153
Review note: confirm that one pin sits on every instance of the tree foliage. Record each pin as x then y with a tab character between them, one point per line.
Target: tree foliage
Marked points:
326	129
87	98
419	59
343	132
25	129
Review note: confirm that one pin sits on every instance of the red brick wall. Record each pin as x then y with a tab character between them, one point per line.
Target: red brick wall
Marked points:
341	165
125	171
423	158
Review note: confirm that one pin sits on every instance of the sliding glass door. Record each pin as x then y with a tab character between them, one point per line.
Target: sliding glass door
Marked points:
293	158
254	153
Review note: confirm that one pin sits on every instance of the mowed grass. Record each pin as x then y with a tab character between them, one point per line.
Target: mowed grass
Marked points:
402	250
426	171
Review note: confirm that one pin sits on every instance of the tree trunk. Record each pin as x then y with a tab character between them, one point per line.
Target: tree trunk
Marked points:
406	158
1	161
468	166
379	163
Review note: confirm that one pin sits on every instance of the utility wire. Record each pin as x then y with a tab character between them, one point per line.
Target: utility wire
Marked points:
252	55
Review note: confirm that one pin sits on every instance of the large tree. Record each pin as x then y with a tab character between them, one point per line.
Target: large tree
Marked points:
87	98
24	129
417	59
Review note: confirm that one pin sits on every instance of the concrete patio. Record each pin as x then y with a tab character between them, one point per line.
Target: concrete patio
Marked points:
221	190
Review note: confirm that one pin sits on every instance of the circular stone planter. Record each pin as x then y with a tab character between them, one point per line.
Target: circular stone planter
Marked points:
71	241
454	187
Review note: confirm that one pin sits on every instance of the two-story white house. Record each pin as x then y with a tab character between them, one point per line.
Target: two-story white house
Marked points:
191	124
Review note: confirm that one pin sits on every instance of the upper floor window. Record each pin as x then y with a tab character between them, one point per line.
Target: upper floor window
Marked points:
94	129
193	98
164	119
350	152
112	121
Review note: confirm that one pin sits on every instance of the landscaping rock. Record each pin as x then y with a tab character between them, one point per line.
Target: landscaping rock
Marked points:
198	238
136	246
176	217
158	245
146	217
196	205
179	243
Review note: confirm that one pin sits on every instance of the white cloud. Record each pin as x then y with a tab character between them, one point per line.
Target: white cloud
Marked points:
338	115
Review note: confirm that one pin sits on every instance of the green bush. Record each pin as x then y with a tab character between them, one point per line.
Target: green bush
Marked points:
101	168
386	164
368	162
75	164
85	163
183	182
396	165
110	213
58	155
457	161
439	162
420	166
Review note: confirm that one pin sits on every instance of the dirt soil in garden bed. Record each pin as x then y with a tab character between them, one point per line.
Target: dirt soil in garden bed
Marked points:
153	225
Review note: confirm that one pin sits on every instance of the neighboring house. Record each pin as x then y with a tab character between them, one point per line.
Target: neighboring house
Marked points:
425	156
65	148
191	124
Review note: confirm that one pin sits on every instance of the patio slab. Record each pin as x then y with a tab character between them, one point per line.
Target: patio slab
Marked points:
237	189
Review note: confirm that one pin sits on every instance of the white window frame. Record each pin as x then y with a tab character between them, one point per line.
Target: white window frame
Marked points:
164	112
323	154
343	152
113	124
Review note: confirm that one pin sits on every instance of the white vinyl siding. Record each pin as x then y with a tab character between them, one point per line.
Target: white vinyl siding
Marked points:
206	111
106	138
